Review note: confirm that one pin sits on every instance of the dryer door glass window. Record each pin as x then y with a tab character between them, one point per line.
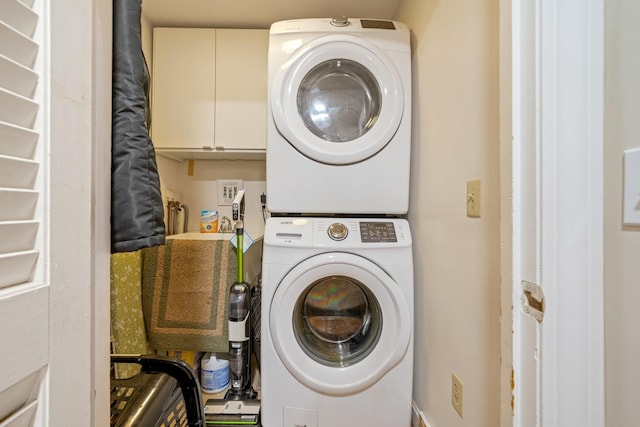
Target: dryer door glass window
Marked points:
337	321
339	100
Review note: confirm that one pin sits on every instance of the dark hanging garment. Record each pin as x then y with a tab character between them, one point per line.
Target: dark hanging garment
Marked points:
137	214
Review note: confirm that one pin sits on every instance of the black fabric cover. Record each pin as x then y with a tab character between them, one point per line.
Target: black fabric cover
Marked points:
137	214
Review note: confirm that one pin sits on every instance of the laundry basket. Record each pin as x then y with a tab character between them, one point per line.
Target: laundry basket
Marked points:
165	392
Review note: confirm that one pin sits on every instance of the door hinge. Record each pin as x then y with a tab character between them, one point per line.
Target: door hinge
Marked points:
532	300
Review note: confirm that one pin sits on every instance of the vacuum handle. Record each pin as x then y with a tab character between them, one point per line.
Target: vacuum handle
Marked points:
240	249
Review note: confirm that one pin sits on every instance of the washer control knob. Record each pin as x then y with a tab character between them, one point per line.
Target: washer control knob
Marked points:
338	231
340	21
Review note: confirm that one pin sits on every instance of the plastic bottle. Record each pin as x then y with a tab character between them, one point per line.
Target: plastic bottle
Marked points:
214	376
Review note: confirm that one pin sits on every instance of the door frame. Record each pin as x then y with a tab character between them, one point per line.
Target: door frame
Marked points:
567	44
79	171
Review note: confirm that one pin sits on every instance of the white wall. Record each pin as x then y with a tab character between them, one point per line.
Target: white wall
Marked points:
457	274
622	244
200	190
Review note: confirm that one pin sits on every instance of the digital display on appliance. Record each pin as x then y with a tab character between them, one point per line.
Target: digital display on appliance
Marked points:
377	232
372	23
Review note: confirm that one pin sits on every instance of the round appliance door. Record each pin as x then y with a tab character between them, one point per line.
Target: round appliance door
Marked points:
338	100
339	323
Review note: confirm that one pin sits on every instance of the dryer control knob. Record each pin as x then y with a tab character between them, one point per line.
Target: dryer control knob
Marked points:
340	21
338	231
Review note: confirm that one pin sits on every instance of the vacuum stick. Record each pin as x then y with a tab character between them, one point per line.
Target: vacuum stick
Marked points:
239	327
239	405
239	323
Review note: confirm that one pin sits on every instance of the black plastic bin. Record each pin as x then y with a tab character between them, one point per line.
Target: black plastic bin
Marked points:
165	392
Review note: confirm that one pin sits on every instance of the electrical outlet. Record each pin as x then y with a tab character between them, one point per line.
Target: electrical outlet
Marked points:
457	394
473	198
228	189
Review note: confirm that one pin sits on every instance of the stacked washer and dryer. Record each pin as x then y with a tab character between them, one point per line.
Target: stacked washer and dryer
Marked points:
337	272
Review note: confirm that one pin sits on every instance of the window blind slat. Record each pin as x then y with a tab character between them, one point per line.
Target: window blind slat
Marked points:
16	267
28	3
17	110
17	236
17	46
19	16
17	205
17	396
17	173
17	78
17	141
22	417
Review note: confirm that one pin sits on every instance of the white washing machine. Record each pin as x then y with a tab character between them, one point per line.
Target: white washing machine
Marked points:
339	127
337	322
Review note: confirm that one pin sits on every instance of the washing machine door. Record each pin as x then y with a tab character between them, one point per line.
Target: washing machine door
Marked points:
338	100
339	323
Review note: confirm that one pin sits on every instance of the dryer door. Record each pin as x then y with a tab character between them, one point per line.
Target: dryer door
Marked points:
338	100
339	323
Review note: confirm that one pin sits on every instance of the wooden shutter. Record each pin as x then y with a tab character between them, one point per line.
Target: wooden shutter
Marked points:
24	291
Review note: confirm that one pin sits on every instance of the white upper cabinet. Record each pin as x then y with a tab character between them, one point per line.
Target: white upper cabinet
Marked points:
209	93
184	89
241	89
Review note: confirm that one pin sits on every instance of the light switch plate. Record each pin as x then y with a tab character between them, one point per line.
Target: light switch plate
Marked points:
473	198
631	198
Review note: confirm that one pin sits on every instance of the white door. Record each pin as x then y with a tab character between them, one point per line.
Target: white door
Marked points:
338	100
24	279
53	245
557	212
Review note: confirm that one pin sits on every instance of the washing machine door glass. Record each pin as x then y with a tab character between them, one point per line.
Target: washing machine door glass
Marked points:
338	100
337	321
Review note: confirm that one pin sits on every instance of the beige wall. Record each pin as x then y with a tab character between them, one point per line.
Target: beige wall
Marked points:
455	139
146	36
455	116
622	245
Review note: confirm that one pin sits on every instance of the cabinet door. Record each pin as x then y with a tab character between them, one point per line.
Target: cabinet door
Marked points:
241	89
183	94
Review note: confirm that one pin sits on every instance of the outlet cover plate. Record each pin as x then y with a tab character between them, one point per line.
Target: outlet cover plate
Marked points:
457	394
228	189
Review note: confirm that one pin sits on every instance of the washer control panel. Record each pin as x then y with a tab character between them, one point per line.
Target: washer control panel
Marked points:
344	233
378	232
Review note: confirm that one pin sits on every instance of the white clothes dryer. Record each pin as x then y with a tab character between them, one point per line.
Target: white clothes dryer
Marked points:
337	322
339	126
